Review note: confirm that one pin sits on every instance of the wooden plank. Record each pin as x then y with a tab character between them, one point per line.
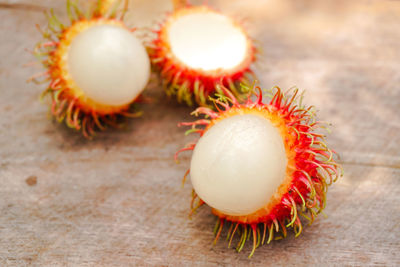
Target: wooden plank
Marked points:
118	201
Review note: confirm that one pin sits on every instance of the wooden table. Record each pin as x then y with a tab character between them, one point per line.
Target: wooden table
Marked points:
118	200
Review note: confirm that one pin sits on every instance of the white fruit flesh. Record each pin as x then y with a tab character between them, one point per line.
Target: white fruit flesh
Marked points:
239	164
108	64
207	41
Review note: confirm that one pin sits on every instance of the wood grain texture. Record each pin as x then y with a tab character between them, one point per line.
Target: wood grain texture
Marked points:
118	200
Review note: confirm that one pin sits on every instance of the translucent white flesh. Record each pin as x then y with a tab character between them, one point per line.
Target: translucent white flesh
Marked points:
109	64
239	164
207	41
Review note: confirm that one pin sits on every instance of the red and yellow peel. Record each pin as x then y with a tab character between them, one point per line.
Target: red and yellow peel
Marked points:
190	84
69	103
310	170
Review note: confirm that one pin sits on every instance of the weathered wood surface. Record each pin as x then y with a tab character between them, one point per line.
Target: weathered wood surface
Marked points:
118	200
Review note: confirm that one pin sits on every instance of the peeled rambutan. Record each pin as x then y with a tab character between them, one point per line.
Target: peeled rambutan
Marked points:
96	68
197	47
260	166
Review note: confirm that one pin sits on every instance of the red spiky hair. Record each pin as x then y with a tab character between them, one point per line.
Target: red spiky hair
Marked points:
190	84
310	169
69	103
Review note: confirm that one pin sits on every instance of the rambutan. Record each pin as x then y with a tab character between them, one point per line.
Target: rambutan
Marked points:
197	47
95	67
260	166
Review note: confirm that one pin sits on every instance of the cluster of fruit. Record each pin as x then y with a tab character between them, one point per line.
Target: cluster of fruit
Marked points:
259	164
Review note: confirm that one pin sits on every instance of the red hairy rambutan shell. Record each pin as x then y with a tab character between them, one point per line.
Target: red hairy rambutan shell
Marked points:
242	200
197	47
89	85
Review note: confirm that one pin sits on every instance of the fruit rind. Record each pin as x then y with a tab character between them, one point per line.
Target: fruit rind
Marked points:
310	170
68	102
191	85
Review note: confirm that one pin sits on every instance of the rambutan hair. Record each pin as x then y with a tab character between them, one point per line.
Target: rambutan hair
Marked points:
195	85
69	103
311	166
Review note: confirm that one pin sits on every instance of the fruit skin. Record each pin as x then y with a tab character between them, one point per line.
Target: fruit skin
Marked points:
310	170
68	103
195	85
